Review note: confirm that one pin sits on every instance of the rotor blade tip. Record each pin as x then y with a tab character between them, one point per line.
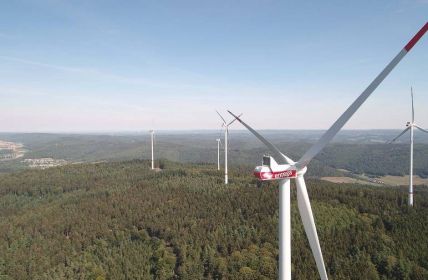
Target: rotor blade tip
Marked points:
416	38
232	114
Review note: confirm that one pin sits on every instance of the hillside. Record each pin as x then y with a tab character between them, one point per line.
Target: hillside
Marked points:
121	221
357	151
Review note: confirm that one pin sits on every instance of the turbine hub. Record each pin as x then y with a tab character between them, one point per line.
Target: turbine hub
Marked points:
302	171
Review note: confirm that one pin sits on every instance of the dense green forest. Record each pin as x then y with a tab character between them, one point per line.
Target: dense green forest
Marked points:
377	159
120	220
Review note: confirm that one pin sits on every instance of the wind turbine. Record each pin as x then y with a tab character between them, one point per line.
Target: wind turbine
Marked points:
218	153
152	133
287	169
410	126
226	134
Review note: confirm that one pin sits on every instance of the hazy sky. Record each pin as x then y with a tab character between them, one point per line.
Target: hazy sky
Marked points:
132	65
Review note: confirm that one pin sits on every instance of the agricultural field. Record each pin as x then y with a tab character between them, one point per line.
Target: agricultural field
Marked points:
387	180
349	180
403	180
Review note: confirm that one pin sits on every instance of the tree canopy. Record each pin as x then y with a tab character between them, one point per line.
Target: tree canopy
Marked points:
122	221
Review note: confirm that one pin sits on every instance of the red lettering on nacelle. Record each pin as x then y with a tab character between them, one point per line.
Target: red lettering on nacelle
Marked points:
270	175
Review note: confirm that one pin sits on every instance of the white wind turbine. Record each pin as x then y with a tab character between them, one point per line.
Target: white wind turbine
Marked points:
410	126
218	153
287	169
226	135
152	133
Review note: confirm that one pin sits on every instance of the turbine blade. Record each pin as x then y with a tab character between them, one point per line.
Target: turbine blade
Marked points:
343	119
224	121
413	110
234	120
280	157
421	129
309	224
399	135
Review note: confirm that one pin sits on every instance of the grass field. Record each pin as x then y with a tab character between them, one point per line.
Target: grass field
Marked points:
403	180
385	180
348	180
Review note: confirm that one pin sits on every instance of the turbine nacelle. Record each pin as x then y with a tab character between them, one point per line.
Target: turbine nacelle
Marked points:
270	170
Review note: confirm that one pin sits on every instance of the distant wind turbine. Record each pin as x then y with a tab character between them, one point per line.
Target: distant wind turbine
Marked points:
218	153
226	134
152	133
410	126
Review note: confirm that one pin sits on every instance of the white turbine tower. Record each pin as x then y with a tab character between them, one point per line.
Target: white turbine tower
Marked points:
218	153
226	135
410	126
287	169
152	133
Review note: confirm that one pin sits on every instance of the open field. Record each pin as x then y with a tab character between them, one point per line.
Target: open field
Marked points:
403	180
349	180
388	180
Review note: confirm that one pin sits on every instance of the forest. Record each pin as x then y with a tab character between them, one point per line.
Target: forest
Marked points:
120	220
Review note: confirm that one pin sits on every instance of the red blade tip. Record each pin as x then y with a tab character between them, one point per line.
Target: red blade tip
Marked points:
416	38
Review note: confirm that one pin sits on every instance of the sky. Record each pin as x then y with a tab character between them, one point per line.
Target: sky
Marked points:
91	66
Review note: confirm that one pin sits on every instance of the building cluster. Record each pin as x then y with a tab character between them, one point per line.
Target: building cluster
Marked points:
11	150
43	163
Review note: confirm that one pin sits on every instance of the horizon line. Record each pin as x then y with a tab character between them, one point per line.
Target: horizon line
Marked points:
180	130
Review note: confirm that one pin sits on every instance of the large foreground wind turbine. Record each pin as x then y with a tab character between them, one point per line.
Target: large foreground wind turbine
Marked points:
226	134
287	169
410	126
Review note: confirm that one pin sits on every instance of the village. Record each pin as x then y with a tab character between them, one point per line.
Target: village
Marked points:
11	150
43	163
